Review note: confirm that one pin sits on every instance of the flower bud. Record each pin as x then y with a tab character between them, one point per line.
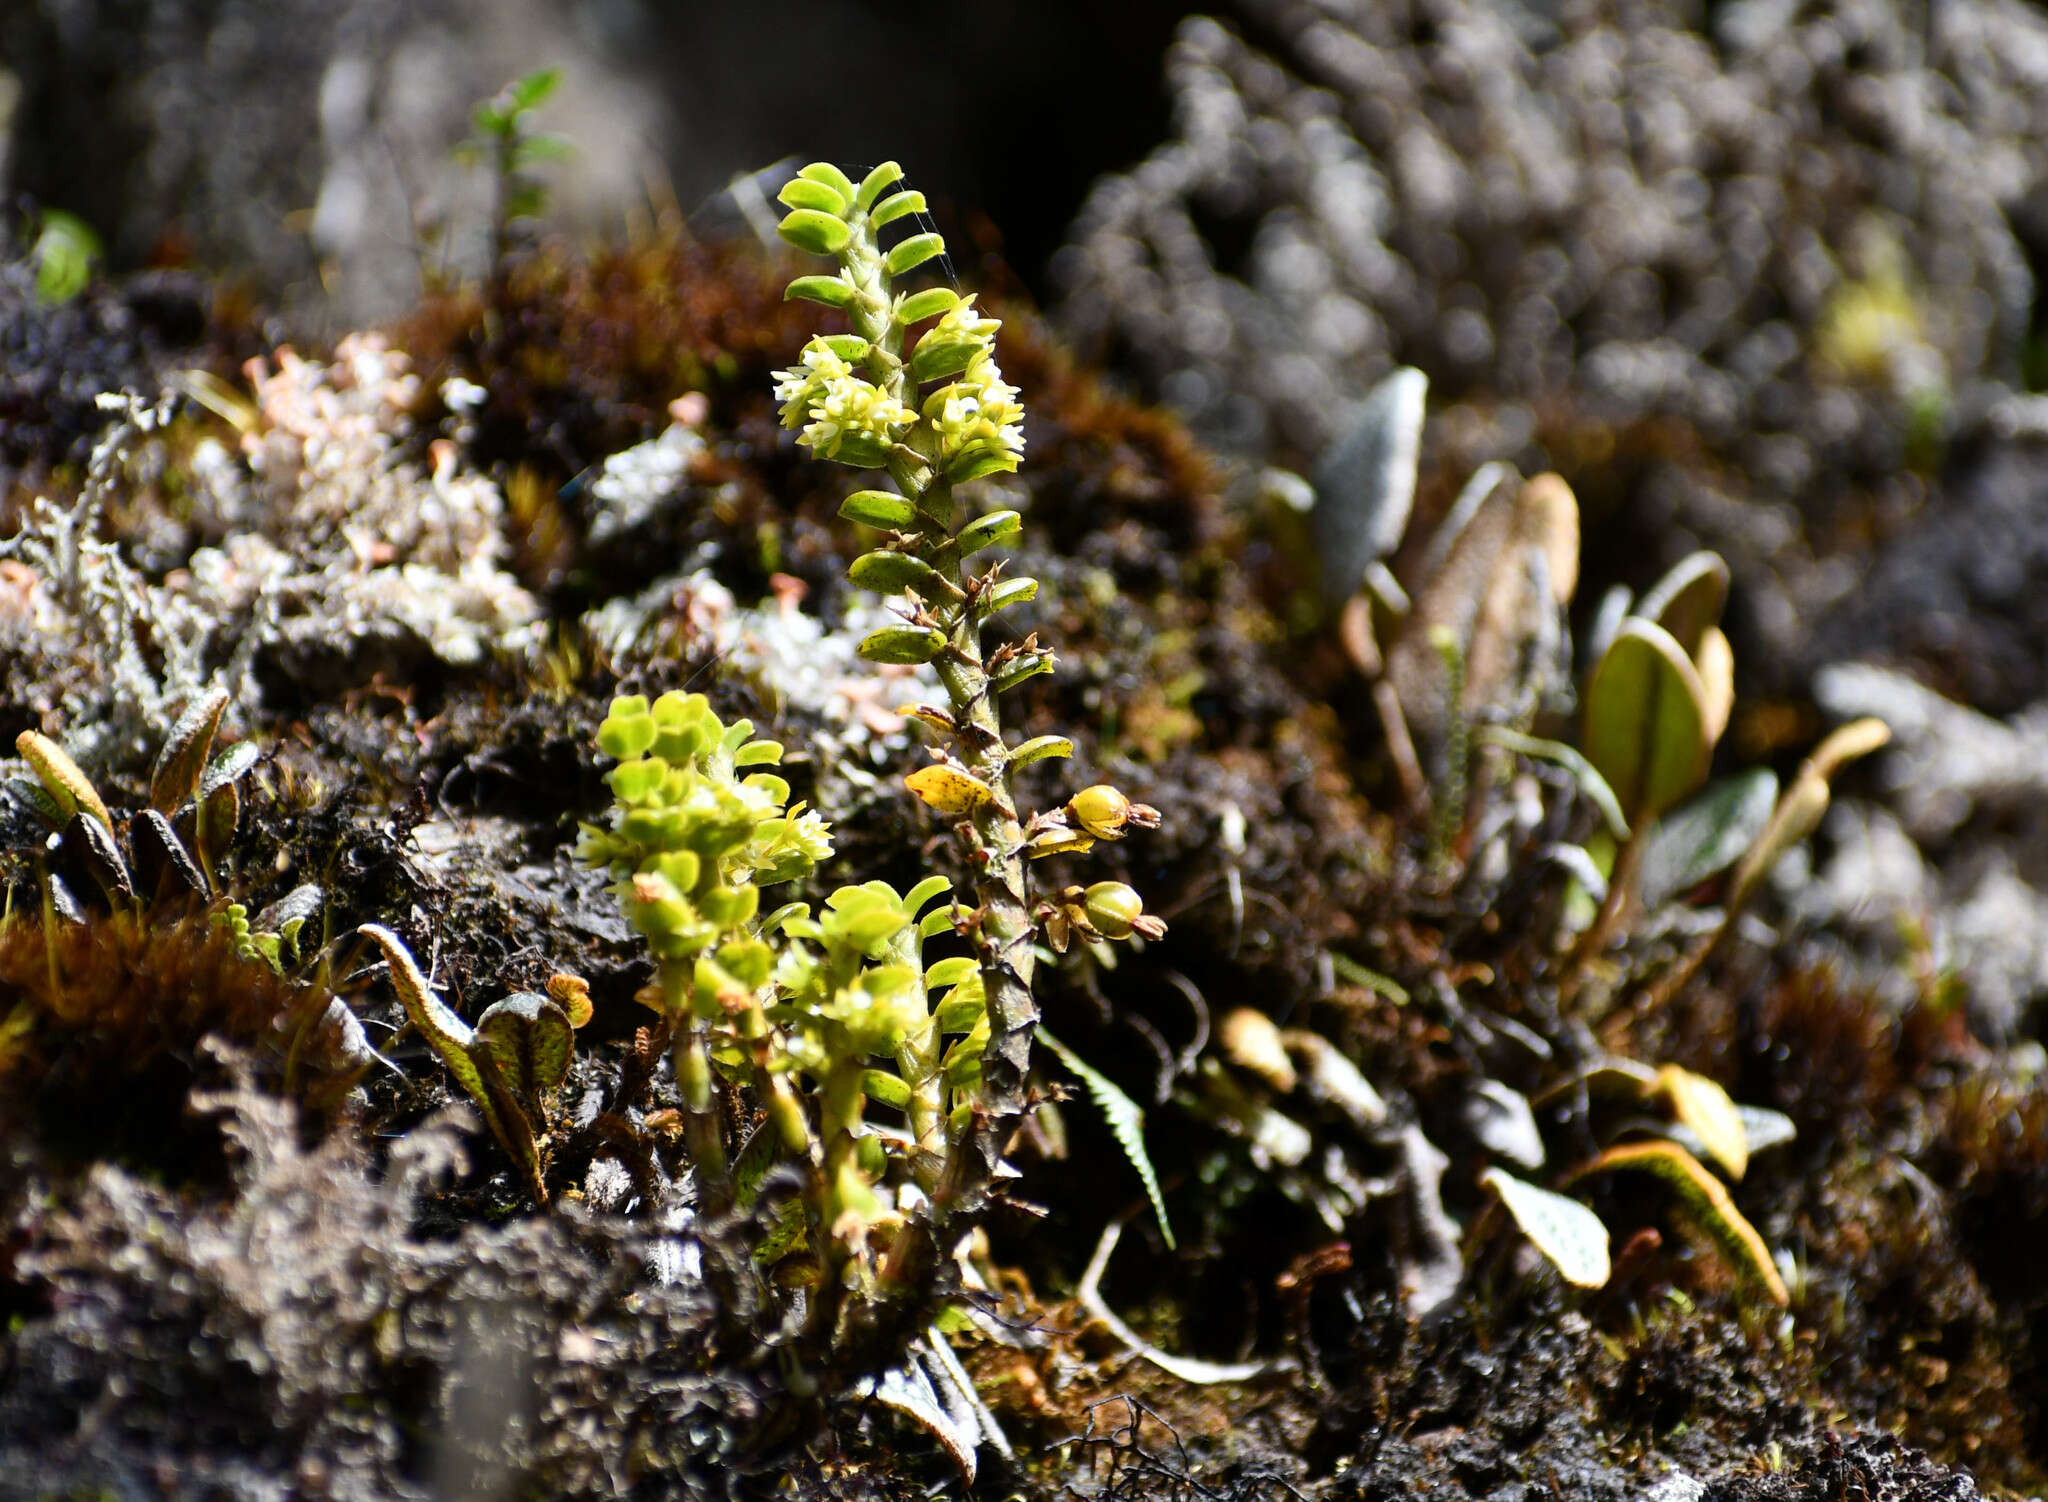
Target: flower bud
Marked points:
1114	910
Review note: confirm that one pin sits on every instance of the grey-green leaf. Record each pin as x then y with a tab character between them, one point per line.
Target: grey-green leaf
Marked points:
1365	482
1706	835
1562	1229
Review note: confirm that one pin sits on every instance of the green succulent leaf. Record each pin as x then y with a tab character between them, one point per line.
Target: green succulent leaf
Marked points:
1039	748
978	463
875	184
831	291
1010	592
886	573
902	644
879	508
849	347
812	230
912	253
831	177
808	193
895	207
989	531
929	303
1021	670
886	1089
1126	1121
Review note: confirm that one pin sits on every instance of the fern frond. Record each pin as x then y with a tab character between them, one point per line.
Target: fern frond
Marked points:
1126	1119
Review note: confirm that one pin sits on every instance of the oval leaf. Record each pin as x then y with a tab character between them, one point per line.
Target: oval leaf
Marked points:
875	184
807	193
1705	836
879	508
988	531
895	206
819	233
929	303
831	177
912	253
1010	592
1039	747
903	644
1562	1229
1645	721
886	573
1705	1107
530	1039
831	291
949	790
231	766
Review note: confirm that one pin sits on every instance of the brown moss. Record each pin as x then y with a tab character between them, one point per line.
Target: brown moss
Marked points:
101	1022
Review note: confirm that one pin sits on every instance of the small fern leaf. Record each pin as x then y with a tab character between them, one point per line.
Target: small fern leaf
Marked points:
1126	1119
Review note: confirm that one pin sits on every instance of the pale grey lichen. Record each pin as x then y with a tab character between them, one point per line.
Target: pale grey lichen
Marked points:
352	547
802	664
632	486
1956	862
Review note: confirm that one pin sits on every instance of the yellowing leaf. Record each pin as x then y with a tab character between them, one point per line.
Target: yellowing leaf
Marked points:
950	791
1705	1107
1707	1198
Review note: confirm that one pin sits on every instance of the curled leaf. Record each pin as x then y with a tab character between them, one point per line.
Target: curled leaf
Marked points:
1707	1198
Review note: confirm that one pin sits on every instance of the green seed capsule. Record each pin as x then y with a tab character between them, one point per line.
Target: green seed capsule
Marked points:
1113	908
